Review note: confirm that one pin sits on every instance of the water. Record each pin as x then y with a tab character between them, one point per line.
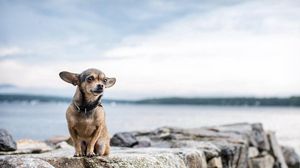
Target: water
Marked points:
43	120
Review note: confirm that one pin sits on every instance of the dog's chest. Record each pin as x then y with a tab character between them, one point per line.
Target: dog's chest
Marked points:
85	122
86	126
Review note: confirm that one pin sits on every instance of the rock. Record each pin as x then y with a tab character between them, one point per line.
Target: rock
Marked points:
241	160
124	139
63	145
24	162
215	163
291	158
227	155
144	141
62	162
253	152
142	144
193	159
266	161
163	132
276	150
57	139
210	150
259	137
254	133
6	141
232	146
204	134
135	157
29	146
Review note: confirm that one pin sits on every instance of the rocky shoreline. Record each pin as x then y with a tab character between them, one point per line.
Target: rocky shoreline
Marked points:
239	145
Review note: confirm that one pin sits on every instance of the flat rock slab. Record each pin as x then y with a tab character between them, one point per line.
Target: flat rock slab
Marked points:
27	146
122	157
240	145
24	162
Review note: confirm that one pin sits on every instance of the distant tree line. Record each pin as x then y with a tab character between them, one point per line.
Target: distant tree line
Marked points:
29	98
226	101
229	101
44	99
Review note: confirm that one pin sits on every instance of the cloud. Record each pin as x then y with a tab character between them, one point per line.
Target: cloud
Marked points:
64	30
197	49
233	50
9	51
200	32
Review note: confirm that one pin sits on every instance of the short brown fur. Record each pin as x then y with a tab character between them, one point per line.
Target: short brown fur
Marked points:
87	127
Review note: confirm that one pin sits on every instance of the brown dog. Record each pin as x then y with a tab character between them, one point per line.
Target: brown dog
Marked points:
85	115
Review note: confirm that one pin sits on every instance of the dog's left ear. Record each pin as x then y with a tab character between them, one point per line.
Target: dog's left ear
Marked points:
70	77
110	82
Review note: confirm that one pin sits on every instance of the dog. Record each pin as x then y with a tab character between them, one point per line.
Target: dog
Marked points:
85	115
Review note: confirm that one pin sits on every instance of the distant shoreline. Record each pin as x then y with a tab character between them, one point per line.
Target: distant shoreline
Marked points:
214	101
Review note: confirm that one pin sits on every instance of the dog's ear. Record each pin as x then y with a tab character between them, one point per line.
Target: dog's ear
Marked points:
110	82
70	77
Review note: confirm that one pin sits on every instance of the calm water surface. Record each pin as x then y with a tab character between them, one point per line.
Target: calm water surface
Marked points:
44	120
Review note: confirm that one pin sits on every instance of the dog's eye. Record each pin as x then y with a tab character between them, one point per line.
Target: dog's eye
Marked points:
105	80
90	79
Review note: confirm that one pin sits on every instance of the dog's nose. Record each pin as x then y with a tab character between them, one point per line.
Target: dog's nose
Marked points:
99	87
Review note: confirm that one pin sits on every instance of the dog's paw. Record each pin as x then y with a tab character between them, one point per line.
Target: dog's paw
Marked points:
90	154
77	155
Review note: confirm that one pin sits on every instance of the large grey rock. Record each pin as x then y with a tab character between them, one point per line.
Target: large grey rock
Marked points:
254	133
125	157
291	158
24	162
7	143
124	139
276	151
142	144
230	146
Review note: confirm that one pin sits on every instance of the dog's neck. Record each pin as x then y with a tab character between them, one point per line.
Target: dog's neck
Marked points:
85	103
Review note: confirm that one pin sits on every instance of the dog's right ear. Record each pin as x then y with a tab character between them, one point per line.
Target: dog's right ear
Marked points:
70	77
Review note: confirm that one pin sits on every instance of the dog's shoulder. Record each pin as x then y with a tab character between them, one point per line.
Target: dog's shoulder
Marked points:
99	112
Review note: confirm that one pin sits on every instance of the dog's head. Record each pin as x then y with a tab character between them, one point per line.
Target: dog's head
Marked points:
90	81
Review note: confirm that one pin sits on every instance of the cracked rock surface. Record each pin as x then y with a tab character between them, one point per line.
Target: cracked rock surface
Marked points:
239	145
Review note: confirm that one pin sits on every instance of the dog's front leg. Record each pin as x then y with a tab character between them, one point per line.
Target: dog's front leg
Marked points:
91	145
76	141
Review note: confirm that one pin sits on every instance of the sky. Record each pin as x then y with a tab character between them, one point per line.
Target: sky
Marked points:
154	48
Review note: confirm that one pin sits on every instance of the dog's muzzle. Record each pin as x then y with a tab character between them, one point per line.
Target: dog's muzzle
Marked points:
98	89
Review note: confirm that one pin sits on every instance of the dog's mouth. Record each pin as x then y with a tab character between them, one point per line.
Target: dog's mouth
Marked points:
97	92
